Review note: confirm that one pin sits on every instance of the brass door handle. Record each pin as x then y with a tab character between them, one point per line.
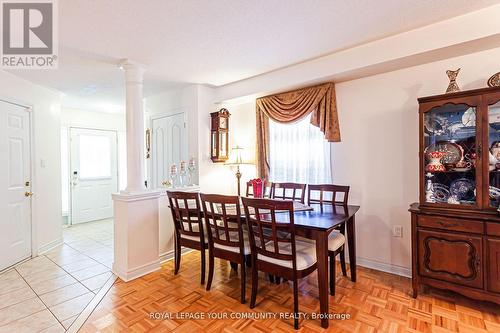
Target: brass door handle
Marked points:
28	194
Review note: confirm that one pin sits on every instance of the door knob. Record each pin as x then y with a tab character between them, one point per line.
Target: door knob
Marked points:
28	194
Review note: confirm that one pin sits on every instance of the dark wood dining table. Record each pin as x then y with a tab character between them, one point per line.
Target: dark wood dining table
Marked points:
317	224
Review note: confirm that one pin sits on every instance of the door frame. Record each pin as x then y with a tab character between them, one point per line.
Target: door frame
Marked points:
152	118
70	196
33	221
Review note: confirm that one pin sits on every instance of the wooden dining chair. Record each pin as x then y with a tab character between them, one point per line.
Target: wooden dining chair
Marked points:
188	226
326	194
227	237
267	189
298	191
277	252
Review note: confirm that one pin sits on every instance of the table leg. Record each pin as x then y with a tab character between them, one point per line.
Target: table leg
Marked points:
351	242
322	258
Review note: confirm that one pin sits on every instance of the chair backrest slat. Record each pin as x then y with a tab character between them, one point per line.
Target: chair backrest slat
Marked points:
270	224
186	213
328	188
298	191
223	220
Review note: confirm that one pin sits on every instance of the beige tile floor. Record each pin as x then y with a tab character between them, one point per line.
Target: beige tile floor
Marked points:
47	293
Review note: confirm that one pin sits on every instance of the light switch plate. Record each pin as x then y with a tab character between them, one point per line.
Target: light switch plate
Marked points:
397	231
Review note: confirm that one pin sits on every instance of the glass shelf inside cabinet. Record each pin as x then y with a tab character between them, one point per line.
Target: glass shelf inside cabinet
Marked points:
494	154
450	154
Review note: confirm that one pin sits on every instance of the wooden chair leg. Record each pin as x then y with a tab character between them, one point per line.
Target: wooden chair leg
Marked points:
210	270
202	265
177	256
295	304
233	265
342	262
248	260
243	282
332	274
255	282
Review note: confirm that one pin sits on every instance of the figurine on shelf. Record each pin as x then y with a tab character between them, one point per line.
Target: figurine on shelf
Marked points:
429	192
495	155
435	164
453	200
453	86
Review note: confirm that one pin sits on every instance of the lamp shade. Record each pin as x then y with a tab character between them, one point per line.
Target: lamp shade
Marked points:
236	156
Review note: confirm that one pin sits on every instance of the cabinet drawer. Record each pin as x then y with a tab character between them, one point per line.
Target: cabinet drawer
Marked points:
446	223
493	229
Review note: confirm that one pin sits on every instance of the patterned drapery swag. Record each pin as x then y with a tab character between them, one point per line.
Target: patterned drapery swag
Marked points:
291	106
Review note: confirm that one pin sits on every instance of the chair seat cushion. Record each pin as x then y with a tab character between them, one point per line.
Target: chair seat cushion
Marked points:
305	252
233	236
335	240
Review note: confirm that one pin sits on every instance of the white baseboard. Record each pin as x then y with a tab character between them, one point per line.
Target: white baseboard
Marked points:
138	271
384	267
47	247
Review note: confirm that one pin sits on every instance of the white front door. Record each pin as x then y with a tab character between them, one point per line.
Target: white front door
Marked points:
15	184
169	146
94	174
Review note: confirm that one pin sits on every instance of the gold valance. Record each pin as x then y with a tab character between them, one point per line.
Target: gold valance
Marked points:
287	107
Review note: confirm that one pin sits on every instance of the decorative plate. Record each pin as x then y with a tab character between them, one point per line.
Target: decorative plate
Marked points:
436	125
463	189
494	80
494	193
454	152
441	192
469	117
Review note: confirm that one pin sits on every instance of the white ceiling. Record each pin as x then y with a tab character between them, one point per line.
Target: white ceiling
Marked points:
214	42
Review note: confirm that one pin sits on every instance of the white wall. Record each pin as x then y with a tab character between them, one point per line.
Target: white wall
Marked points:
378	155
46	202
71	117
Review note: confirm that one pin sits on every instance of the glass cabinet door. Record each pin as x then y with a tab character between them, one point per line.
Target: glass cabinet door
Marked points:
494	154
450	156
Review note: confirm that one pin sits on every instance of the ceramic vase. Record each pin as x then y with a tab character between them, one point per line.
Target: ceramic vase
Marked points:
435	164
453	86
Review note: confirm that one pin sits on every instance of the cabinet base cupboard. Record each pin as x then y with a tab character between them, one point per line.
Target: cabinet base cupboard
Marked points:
456	224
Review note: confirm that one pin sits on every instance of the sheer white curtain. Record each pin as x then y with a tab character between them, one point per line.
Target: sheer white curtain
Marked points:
298	153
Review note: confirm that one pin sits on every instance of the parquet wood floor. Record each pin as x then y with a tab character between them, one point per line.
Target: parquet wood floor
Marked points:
378	302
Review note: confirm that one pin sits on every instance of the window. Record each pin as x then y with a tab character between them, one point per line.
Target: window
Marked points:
298	153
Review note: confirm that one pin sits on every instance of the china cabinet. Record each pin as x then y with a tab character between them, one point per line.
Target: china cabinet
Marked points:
456	223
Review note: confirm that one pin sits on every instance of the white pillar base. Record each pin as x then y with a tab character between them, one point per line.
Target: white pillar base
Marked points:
136	227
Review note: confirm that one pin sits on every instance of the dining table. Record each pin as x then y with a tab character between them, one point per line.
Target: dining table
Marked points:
317	223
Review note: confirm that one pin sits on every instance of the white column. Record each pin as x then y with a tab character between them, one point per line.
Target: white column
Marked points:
135	126
136	211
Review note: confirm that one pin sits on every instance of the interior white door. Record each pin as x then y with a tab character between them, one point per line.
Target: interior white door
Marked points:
169	146
94	174
15	181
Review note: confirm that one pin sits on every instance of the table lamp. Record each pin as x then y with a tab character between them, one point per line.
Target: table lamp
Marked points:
237	160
